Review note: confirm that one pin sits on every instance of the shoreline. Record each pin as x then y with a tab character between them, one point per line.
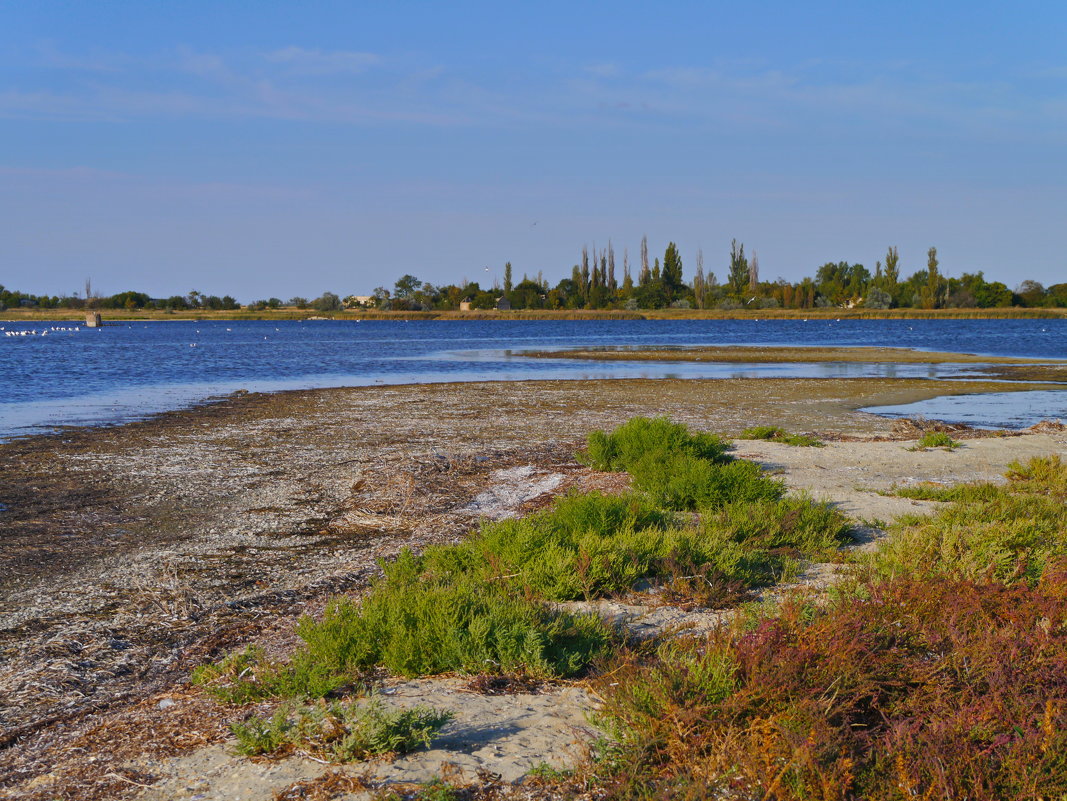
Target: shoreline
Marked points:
119	315
1005	374
135	552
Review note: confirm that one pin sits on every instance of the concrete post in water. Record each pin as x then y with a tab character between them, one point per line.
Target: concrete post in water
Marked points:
92	320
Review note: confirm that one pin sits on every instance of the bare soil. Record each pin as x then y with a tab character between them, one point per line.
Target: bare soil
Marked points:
130	554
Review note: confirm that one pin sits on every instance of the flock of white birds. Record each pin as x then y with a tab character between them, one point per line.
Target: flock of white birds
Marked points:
42	333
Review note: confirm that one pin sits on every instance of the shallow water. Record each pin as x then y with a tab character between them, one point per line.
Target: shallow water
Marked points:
129	370
986	410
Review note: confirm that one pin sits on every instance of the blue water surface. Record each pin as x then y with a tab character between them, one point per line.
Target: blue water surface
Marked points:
128	370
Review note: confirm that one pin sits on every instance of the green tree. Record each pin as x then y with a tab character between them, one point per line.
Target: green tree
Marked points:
405	287
892	270
671	276
1057	294
699	284
932	295
627	290
1031	293
842	282
326	302
738	275
507	278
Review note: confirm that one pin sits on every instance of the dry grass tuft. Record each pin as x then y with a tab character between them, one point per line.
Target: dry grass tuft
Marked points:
331	784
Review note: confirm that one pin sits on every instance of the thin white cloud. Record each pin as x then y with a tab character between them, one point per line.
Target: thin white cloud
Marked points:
61	173
52	57
322	62
603	70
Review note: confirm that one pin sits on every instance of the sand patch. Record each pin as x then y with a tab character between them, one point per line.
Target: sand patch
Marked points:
505	735
851	474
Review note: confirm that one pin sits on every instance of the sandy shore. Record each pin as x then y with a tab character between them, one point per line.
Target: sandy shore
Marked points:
131	554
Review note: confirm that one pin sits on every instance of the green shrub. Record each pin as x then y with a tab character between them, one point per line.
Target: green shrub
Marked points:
415	622
258	736
646	696
640	437
963	493
682	481
341	732
1004	533
1007	538
779	434
935	439
247	676
813	528
621	540
1040	476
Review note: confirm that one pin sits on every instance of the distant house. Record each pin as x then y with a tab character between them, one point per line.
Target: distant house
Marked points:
358	301
503	304
465	305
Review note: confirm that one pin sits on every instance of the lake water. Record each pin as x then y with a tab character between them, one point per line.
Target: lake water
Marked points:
128	370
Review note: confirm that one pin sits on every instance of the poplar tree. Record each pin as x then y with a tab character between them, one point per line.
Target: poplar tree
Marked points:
584	282
645	275
507	277
698	280
611	283
753	275
932	295
672	271
892	269
738	276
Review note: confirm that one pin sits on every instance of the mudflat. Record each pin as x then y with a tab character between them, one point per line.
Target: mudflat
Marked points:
763	354
130	554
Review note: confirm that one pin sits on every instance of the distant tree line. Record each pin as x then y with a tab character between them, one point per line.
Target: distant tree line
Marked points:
601	281
597	281
132	301
129	300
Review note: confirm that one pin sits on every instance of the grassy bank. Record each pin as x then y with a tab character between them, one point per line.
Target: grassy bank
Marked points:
30	315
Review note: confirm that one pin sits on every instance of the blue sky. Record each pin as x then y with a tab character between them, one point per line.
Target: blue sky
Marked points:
266	148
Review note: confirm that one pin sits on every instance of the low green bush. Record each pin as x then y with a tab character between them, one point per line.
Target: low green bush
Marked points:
591	546
341	732
963	493
248	675
641	437
257	735
417	622
682	481
779	434
812	528
935	439
1040	476
1005	533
